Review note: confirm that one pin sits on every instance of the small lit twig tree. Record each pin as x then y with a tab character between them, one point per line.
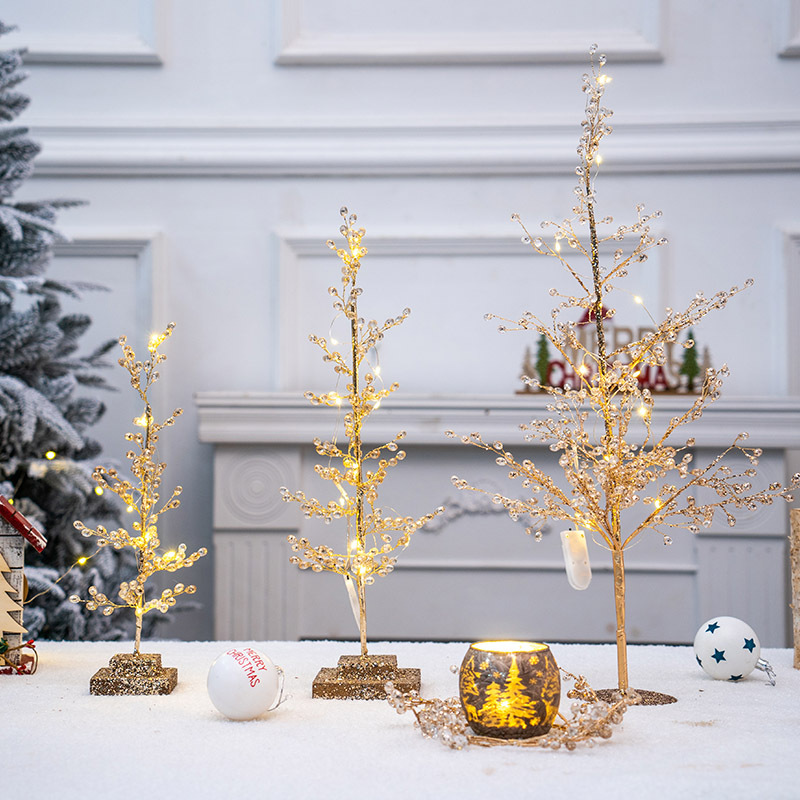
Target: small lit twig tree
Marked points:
371	545
142	498
606	475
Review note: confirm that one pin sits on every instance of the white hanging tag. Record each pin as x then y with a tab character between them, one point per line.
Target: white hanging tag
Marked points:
576	559
353	595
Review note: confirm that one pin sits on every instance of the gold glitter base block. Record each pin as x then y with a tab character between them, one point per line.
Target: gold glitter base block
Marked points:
364	678
642	697
134	673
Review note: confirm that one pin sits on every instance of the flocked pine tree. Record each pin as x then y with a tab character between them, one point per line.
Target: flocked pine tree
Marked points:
45	444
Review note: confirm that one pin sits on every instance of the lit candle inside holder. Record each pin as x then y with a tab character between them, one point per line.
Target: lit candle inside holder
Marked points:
576	559
509	689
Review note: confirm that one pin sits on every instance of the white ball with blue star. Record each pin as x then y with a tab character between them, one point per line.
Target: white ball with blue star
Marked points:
727	648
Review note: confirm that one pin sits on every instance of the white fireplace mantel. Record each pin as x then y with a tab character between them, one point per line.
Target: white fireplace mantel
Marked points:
288	418
458	577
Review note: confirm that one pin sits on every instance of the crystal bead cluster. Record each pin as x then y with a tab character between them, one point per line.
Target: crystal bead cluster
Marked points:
142	498
613	459
590	719
372	538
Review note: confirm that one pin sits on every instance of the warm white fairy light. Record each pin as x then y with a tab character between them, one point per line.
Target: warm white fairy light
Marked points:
607	474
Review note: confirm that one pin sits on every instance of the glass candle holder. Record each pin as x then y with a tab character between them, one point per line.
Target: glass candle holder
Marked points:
509	689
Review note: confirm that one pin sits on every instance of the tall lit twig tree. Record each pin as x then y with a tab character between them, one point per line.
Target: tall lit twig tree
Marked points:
629	465
372	538
142	499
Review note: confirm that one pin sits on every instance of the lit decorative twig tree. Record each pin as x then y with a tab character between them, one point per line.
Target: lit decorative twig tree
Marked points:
606	474
370	544
142	498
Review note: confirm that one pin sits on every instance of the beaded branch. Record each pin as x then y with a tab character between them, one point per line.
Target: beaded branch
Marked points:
371	544
142	498
591	718
607	473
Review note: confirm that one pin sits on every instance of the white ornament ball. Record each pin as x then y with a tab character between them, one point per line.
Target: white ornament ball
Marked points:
243	683
727	648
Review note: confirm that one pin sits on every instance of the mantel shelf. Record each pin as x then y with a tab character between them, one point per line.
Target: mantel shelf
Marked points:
288	418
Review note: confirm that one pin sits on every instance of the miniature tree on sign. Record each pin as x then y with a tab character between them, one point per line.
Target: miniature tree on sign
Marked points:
542	360
689	366
607	474
370	543
143	499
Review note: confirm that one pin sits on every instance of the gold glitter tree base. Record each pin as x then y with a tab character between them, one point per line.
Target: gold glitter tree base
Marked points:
134	673
646	697
364	678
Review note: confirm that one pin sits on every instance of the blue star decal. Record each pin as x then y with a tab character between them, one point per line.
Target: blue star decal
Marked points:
749	644
719	655
698	659
735	678
712	627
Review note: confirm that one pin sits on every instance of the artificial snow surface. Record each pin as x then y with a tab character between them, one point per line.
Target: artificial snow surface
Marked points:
720	740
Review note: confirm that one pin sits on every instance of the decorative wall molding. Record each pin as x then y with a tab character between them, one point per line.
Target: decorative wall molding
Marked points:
490	565
118	150
137	45
145	245
141	297
288	418
254	596
790	31
791	313
636	38
245	481
448	244
746	578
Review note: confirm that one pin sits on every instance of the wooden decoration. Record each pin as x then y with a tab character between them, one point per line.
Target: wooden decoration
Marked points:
15	530
509	690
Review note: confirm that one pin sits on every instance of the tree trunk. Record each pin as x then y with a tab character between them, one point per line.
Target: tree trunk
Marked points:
619	605
362	613
138	641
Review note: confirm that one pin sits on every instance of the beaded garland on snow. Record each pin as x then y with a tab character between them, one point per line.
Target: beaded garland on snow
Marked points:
591	719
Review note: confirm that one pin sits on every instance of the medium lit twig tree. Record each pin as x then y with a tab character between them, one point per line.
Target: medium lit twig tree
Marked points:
371	544
608	474
142	499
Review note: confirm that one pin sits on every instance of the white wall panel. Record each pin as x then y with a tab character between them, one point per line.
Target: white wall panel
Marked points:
420	32
450	281
88	31
125	267
789	27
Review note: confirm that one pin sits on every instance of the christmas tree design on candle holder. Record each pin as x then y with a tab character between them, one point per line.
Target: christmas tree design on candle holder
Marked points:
372	539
